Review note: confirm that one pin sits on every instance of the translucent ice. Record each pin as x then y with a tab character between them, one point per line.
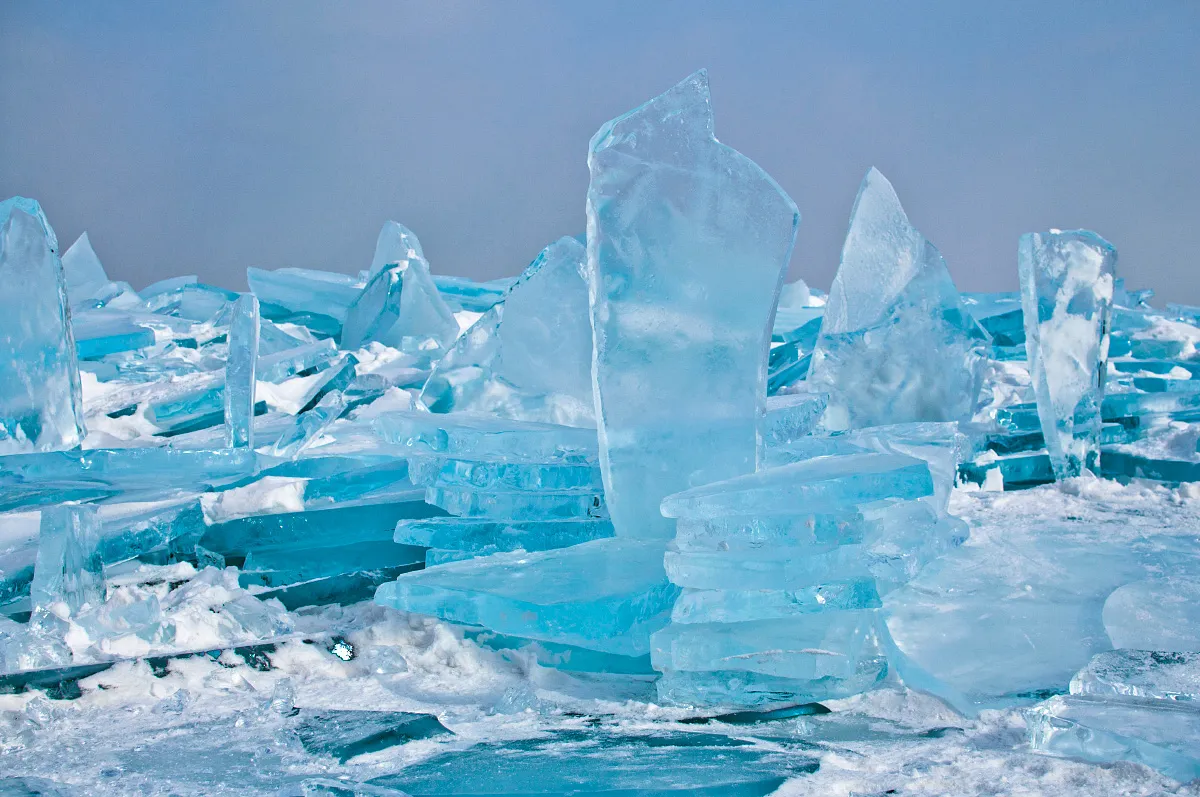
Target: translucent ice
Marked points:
239	372
1159	614
40	400
1066	291
530	357
84	274
1141	674
396	244
69	573
897	343
675	219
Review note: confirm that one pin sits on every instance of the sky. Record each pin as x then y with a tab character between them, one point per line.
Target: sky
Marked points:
204	138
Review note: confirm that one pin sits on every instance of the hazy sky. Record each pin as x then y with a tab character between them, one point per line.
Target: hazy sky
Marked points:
205	137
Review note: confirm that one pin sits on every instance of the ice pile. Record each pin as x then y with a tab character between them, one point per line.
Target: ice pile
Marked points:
644	459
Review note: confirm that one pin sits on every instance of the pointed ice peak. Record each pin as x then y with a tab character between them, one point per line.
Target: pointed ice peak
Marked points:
33	208
682	113
85	275
396	244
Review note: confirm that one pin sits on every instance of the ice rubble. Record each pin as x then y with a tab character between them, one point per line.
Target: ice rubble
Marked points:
643	463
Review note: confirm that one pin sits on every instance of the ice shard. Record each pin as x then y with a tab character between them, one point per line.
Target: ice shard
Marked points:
1066	293
400	305
897	344
688	241
69	573
529	358
1160	614
40	401
396	244
84	274
239	373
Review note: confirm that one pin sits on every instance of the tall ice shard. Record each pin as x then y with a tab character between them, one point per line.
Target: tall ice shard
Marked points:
1066	292
688	241
897	345
239	372
68	574
40	402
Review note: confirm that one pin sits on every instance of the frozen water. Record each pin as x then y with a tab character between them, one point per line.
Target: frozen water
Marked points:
675	219
1158	614
1066	292
69	574
40	402
239	373
897	342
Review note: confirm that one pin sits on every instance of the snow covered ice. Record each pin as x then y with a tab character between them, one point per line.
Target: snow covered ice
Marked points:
641	518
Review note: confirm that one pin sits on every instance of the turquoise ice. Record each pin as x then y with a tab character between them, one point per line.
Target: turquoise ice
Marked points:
240	373
897	343
40	401
69	574
688	241
1066	293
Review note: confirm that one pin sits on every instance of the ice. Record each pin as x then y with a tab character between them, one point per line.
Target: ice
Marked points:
40	403
84	274
674	219
396	244
1147	674
68	576
530	357
308	426
897	343
606	595
1159	614
346	734
1066	292
239	373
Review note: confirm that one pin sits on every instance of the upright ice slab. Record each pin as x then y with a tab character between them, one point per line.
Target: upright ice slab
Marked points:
688	241
40	403
68	574
897	344
240	372
1066	292
84	274
529	358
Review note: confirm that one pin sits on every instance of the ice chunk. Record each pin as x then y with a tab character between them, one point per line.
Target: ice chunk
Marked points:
40	400
1142	674
606	595
897	343
278	567
529	358
675	218
317	299
1159	734
501	475
346	734
518	504
400	305
1158	614
486	535
69	574
598	762
239	373
474	297
308	426
486	437
791	417
33	208
84	275
822	484
1066	292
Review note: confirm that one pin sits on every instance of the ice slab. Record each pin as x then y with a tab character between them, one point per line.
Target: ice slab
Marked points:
1160	614
33	208
1066	292
84	274
41	408
680	360
469	435
740	606
310	425
475	297
792	416
500	475
897	343
518	504
529	358
478	535
279	567
1149	674
239	373
69	574
607	595
606	763
822	484
1160	734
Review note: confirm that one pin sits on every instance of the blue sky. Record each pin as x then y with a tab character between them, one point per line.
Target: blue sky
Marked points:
207	137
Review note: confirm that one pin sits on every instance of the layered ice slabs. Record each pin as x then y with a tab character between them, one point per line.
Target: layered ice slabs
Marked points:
897	343
602	763
240	373
1066	293
69	573
1013	613
530	357
400	305
606	595
40	401
1160	614
688	241
1127	705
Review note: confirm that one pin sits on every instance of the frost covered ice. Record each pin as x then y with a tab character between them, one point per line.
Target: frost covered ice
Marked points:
641	517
